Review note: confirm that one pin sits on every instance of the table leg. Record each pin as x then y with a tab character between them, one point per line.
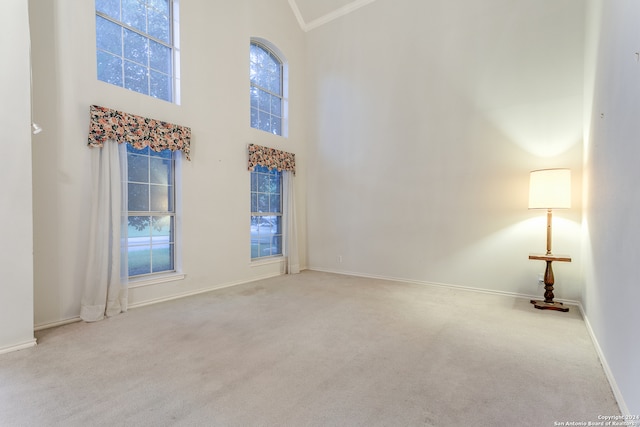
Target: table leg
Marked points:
548	303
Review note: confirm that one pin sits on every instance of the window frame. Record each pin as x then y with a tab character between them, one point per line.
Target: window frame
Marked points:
172	45
261	170
283	95
176	214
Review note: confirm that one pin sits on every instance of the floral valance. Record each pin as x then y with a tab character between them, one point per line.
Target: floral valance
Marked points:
138	131
271	158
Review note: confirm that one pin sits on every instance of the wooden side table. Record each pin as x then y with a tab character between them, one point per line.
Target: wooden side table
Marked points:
549	303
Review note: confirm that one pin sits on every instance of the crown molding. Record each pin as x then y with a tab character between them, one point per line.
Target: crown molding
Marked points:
298	15
344	10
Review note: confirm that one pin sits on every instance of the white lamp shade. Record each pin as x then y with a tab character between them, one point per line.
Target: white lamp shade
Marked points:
550	189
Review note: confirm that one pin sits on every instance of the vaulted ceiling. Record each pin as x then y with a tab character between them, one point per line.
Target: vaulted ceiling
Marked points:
313	13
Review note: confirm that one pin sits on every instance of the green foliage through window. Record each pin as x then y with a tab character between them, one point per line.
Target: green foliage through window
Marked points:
266	89
151	219
266	212
135	45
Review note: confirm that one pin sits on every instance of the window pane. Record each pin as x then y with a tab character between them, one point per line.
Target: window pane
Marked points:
138	231
276	248
138	197
161	6
276	106
268	225
136	47
162	229
165	154
264	101
135	77
109	68
262	79
274	183
263	182
109	7
160	170
273	83
134	14
257	56
108	36
255	118
254	94
254	181
159	57
276	125
254	237
160	86
132	149
265	123
162	256
263	203
254	51
159	24
254	202
274	203
137	168
139	260
139	255
161	200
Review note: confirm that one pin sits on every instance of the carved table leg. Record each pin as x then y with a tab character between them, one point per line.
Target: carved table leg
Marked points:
548	303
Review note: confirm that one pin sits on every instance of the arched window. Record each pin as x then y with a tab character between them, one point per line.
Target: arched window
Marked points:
267	75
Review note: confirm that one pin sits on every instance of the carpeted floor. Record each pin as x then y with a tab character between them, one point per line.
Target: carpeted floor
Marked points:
314	349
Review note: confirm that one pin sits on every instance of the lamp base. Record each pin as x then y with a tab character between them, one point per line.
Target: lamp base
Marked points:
541	305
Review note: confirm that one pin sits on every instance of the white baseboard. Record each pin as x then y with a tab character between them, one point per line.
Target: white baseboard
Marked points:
55	324
201	291
607	370
21	346
443	285
49	325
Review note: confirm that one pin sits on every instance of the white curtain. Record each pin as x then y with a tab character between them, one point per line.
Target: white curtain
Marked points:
290	228
105	288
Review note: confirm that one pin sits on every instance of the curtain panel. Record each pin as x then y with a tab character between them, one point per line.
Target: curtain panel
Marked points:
108	124
106	274
290	225
271	158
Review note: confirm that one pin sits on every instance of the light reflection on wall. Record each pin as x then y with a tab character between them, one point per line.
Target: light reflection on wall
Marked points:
522	238
545	129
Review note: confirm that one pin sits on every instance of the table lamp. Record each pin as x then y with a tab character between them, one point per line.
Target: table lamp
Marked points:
549	189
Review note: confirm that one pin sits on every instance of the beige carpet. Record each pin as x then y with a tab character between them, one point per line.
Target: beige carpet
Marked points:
314	349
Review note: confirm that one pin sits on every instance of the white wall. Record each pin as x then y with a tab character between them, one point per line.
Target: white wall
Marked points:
612	199
215	39
16	244
426	118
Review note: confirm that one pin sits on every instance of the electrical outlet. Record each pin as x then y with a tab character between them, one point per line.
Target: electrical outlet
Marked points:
339	258
540	279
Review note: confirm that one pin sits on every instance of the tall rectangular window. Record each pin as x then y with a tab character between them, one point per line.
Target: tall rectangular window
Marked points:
137	46
266	212
151	246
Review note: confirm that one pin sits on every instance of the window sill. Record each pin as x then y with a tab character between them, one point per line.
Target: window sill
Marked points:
154	280
267	261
